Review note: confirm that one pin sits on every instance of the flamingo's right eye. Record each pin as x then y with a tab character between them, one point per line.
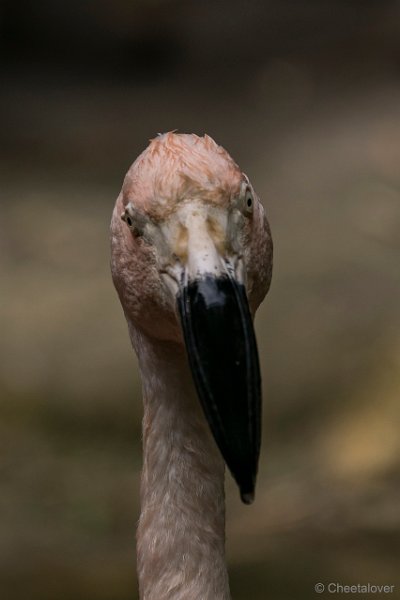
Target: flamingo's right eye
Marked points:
135	220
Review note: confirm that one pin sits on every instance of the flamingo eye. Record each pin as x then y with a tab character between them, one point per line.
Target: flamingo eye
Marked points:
127	218
248	201
135	220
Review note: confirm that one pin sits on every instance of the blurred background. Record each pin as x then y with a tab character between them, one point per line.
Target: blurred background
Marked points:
305	95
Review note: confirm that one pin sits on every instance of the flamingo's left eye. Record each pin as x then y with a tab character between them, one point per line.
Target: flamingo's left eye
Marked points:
248	201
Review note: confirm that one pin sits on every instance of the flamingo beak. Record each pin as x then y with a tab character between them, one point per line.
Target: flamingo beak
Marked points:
222	353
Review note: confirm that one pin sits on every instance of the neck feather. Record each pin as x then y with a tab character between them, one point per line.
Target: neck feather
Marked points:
181	532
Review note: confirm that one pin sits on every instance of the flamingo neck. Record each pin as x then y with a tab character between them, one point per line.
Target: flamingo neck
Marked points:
181	532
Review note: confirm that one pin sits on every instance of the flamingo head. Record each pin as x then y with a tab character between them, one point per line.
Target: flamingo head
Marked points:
191	261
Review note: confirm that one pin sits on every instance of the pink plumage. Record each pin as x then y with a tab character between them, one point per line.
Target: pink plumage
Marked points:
188	220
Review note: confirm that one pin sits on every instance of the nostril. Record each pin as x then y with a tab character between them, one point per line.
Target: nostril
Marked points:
129	221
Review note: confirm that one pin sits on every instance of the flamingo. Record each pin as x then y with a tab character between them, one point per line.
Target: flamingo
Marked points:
191	260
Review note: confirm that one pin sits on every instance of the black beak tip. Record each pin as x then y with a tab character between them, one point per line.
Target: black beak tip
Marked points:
246	481
247	497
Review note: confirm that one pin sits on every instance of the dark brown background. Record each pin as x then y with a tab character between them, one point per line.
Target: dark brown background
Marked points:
306	96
